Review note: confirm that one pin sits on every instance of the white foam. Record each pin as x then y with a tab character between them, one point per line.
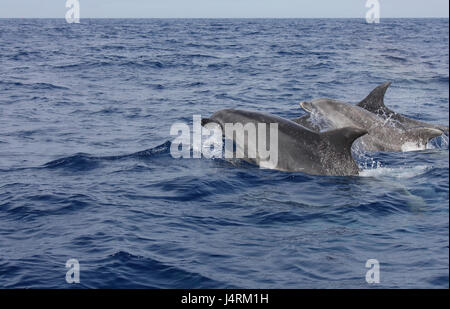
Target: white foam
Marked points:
444	141
411	146
396	172
440	142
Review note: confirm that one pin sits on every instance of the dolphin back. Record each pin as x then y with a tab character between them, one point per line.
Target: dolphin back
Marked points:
300	149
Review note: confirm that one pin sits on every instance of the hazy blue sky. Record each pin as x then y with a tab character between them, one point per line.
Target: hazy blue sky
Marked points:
224	8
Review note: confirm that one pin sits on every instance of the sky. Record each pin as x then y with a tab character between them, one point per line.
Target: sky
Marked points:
223	8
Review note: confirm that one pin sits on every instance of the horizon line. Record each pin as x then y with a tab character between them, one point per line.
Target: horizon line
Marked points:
277	17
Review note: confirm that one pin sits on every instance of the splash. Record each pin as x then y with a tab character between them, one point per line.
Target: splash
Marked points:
440	142
215	146
395	172
319	122
363	158
412	146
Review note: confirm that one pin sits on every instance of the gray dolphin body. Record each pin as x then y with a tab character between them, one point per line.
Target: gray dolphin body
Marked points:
382	134
300	149
374	103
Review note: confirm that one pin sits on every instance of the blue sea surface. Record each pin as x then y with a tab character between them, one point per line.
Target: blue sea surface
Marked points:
86	171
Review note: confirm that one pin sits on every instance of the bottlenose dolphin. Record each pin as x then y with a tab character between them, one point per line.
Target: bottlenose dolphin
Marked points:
382	135
299	149
374	103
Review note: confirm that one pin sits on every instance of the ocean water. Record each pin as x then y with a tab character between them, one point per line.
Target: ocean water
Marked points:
86	172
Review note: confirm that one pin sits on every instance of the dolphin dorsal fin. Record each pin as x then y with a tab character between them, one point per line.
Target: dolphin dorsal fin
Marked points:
344	136
375	100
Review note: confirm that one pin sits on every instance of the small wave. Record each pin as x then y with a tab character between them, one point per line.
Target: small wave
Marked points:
156	86
143	63
33	205
77	162
395	58
113	47
118	266
425	81
218	66
290	53
202	56
46	86
100	64
195	84
440	79
317	66
25	55
108	110
34	86
85	162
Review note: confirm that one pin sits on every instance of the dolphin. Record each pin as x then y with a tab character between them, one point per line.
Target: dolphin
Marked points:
382	135
374	103
299	149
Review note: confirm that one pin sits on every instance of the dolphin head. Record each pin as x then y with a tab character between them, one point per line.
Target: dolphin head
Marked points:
321	106
331	113
424	134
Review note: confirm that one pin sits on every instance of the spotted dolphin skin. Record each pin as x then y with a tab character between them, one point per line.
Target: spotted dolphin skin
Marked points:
299	149
382	134
374	103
